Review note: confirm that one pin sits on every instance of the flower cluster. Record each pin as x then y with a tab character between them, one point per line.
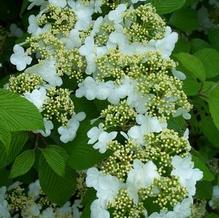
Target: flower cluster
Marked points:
118	53
16	201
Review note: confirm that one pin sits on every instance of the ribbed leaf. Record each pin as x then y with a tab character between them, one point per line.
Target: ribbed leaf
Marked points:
56	157
17	113
210	59
192	65
23	163
58	188
167	6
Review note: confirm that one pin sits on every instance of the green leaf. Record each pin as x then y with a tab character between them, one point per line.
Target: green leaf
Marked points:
212	215
185	20
56	157
58	189
23	163
190	85
191	64
200	164
177	124
213	36
182	45
5	137
17	113
167	6
210	59
210	130
213	102
81	150
204	190
18	141
198	44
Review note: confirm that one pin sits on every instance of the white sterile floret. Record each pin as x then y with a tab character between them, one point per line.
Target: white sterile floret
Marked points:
47	213
75	208
136	1
20	58
116	15
68	132
36	3
88	88
64	211
31	210
105	90
166	45
4	209
34	190
188	176
83	14
146	124
100	137
34	28
89	51
141	176
37	97
182	112
15	30
73	40
107	186
181	210
98	210
47	70
48	125
178	74
214	202
59	3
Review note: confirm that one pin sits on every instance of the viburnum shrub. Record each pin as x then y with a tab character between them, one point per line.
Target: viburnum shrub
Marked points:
106	94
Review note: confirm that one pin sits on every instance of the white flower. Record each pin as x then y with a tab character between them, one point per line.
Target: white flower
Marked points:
33	27
107	186
178	74
146	125
4	209
188	176
116	15
48	128
182	112
47	213
89	51
214	202
31	210
68	132
64	211
15	30
59	3
20	58
83	14
98	211
73	40
34	190
166	45
37	97
47	70
36	3
87	88
136	1
181	210
141	176
100	137
75	208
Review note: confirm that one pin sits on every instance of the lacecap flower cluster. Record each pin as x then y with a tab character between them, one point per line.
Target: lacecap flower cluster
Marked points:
117	52
18	201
